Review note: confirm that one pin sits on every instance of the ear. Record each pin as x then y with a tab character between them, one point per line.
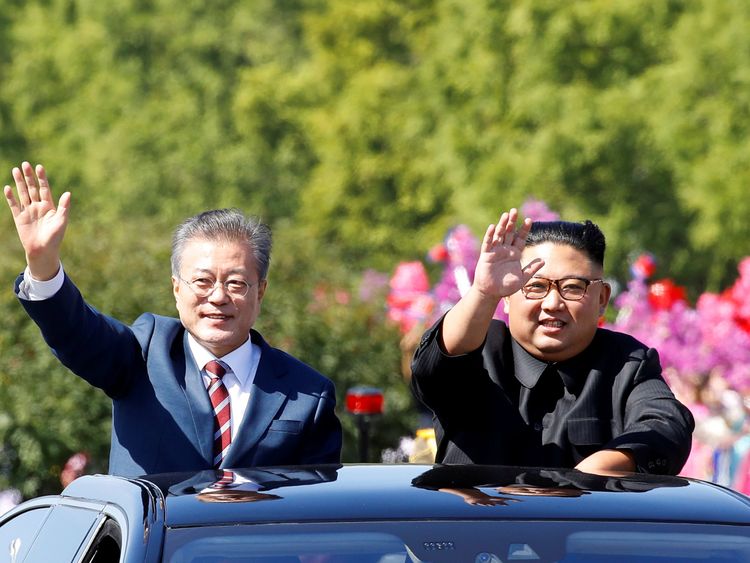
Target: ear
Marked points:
175	286
262	285
604	296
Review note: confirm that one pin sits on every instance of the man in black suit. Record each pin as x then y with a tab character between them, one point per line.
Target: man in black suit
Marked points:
550	388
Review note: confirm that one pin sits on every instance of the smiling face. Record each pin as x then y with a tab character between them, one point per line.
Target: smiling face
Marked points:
220	322
553	329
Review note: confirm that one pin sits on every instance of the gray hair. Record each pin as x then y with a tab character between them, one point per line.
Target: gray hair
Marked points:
228	225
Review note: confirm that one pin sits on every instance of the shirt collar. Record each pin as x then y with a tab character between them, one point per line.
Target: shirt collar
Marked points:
529	369
239	360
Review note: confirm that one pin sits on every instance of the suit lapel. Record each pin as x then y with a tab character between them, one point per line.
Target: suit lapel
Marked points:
267	395
199	404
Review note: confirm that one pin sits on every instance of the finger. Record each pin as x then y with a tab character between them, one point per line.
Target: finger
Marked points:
510	230
530	269
45	194
30	177
23	192
502	225
513	214
63	206
487	240
522	233
15	208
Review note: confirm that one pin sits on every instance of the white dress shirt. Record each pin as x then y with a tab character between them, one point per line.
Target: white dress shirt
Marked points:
242	363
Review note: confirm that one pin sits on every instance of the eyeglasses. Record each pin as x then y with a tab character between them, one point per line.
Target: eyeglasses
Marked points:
570	289
203	287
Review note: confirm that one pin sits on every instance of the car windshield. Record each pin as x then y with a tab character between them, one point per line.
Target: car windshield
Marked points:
459	541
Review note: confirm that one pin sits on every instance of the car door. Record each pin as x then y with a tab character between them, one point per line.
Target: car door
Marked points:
19	528
97	519
52	529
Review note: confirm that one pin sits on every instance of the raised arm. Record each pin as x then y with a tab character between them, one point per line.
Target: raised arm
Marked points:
498	274
40	225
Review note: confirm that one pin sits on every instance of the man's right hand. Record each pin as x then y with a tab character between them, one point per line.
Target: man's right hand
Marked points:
499	273
40	225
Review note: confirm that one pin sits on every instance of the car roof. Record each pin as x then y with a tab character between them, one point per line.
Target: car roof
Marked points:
380	492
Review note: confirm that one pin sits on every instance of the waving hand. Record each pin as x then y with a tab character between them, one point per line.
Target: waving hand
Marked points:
499	271
40	225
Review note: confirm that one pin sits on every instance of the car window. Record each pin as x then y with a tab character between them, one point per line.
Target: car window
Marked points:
107	544
63	534
17	534
461	541
291	547
619	546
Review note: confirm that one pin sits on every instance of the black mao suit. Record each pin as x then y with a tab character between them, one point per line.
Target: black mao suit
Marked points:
500	405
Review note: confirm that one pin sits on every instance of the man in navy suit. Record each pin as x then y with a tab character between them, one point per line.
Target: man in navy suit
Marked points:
276	409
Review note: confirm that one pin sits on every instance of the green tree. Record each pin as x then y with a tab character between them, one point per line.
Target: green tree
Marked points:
375	184
699	110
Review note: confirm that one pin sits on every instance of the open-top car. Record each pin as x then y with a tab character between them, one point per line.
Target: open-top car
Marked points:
399	513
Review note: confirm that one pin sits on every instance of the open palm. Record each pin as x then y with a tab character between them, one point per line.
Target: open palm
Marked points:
499	272
40	224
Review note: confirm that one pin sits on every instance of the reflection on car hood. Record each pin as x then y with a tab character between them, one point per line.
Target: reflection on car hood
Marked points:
405	491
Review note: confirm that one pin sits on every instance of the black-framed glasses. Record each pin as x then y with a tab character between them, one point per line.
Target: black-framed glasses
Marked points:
570	288
204	287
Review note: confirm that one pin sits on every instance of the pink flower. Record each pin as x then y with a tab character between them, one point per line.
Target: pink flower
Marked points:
409	301
74	468
538	211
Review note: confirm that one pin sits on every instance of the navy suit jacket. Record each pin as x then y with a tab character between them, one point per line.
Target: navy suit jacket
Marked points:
162	418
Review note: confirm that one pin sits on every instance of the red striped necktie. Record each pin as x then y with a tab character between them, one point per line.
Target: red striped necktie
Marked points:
219	396
225	481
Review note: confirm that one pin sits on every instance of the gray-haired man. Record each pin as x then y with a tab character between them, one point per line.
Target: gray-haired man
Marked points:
199	392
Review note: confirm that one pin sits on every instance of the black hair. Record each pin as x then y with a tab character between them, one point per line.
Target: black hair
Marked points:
586	237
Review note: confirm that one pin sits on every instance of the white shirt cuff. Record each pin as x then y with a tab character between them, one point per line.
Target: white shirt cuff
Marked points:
35	290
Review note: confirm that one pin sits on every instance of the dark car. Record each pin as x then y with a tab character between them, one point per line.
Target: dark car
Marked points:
381	514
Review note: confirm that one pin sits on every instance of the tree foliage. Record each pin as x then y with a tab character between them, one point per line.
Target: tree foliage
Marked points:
360	131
